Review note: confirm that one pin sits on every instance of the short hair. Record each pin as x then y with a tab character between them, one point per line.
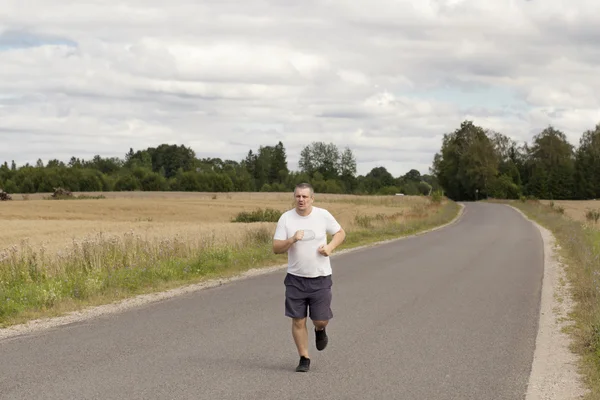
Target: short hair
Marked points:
305	185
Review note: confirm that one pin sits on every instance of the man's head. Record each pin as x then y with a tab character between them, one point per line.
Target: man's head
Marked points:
304	196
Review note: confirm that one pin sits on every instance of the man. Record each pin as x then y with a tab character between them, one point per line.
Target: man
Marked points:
302	233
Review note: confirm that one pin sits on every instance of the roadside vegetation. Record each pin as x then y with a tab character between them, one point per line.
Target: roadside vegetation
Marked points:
104	267
578	236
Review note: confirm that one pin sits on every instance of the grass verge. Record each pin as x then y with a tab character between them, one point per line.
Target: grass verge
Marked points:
104	269
580	250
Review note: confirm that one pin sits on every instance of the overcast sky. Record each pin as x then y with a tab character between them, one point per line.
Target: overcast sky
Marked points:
386	78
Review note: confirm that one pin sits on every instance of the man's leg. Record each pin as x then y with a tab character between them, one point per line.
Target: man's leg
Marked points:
300	334
296	307
320	312
320	325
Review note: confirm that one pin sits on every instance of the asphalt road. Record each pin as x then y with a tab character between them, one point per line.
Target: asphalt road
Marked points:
451	314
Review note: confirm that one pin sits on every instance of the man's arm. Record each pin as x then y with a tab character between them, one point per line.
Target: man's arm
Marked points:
281	246
336	240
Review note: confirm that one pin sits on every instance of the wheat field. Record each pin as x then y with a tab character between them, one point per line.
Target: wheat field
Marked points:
55	224
576	209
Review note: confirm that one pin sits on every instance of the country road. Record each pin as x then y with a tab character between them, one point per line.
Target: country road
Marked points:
451	314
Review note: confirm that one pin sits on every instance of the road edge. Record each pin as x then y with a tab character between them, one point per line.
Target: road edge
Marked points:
44	324
553	374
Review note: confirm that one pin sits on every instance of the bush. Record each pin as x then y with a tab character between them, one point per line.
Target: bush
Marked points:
593	215
65	194
260	215
4	196
388	190
60	193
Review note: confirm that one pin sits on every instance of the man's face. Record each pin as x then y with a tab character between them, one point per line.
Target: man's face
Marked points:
303	199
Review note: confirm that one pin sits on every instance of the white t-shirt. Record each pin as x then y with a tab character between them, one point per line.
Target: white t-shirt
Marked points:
304	258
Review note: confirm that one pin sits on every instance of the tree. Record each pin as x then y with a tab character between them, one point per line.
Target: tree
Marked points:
503	187
508	155
552	159
347	169
279	167
347	165
171	158
55	164
75	163
412	175
262	166
168	158
377	179
587	165
466	164
323	158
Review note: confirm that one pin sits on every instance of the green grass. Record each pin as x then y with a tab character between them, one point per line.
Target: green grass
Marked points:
580	249
104	269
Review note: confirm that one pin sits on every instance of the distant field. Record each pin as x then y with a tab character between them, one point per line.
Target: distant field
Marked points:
576	209
56	223
60	255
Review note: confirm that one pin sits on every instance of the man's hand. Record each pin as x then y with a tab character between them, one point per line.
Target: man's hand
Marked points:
298	236
338	237
281	246
325	250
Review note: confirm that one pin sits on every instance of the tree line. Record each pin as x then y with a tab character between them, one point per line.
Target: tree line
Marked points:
176	168
475	163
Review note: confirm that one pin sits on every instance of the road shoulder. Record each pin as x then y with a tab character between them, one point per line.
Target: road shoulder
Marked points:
554	373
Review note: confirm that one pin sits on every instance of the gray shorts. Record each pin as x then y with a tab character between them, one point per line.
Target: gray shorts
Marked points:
304	294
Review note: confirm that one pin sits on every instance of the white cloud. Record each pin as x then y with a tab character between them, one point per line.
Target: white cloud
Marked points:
385	77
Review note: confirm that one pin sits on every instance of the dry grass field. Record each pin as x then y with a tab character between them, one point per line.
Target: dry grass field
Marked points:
56	223
577	209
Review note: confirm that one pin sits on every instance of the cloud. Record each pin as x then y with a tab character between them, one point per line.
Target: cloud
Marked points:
386	78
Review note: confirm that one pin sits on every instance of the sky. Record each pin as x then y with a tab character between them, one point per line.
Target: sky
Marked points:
386	78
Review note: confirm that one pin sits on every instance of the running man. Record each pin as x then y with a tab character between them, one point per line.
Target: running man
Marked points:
302	233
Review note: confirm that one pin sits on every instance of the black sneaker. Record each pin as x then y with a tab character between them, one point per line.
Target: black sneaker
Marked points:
303	365
321	339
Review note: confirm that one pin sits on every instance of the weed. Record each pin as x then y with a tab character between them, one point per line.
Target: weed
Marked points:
260	215
436	197
144	219
593	215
